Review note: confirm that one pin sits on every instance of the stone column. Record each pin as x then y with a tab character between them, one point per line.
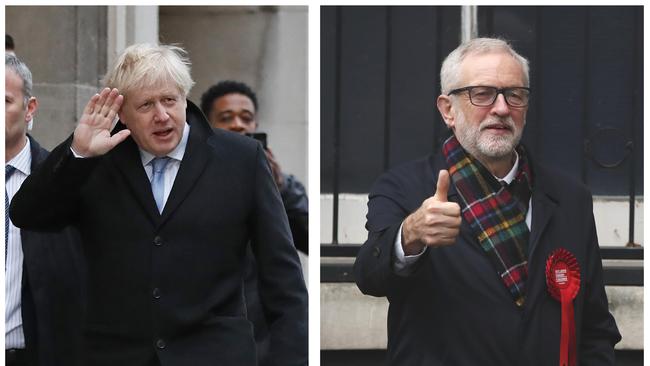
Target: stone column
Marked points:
65	47
68	49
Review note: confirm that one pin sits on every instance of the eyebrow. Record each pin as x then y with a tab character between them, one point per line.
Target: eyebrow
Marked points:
232	111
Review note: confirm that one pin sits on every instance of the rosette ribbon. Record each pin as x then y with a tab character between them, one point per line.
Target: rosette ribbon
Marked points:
563	282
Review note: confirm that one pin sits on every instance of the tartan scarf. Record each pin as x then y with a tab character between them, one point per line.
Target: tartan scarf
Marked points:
494	214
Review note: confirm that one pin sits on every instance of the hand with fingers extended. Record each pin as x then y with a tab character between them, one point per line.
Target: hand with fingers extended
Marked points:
436	223
92	137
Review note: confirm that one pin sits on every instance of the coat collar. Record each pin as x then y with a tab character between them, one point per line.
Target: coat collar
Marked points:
38	153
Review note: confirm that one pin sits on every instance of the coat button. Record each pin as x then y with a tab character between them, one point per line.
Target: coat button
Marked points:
156	293
376	252
520	301
160	344
157	241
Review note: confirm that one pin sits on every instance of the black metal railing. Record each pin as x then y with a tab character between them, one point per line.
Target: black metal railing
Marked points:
617	274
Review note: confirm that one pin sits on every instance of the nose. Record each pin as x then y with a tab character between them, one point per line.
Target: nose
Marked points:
500	107
161	114
237	125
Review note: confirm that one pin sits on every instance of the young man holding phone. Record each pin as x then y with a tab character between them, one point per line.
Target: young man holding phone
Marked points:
232	105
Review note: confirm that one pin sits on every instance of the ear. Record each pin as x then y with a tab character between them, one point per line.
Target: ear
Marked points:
32	106
120	112
446	108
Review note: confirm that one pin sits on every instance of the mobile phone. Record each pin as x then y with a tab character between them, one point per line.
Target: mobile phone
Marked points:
259	136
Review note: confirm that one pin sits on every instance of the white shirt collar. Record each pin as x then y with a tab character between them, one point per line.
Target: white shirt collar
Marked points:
176	154
23	161
512	173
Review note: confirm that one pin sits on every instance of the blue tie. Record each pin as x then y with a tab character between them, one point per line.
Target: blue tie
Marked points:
9	170
158	181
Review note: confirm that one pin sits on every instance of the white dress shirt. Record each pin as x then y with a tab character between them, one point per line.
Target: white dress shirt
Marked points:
14	336
402	263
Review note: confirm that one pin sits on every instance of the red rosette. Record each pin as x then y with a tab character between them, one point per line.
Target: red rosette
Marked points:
563	283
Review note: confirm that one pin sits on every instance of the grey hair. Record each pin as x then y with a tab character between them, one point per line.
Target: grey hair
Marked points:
450	70
21	69
144	65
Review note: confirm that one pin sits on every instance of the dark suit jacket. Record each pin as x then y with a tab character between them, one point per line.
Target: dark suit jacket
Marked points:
171	285
296	206
52	302
454	309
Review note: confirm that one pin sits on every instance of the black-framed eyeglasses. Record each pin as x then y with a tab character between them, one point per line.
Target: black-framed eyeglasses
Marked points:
484	96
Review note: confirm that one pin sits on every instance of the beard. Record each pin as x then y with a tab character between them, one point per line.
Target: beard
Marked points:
482	143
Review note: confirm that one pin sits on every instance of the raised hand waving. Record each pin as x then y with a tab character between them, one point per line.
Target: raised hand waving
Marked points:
92	137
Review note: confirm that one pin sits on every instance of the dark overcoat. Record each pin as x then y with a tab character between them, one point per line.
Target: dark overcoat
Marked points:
453	309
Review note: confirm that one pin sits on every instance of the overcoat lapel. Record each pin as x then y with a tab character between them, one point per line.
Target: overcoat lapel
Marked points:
194	162
126	158
544	206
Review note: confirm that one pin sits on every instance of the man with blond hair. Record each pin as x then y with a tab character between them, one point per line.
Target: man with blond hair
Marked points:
166	207
486	257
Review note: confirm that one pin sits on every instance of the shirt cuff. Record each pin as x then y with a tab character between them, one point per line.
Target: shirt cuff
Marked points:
75	154
403	264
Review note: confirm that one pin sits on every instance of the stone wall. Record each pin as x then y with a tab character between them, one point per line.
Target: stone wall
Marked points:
353	321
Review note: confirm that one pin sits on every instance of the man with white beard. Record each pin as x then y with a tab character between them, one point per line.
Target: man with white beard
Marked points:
486	257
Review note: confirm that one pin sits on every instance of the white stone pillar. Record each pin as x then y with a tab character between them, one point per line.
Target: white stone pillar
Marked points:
127	25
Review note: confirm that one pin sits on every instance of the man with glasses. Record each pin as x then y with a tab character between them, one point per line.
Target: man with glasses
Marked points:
465	243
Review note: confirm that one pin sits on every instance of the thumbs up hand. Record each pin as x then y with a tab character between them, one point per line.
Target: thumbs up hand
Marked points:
442	187
435	223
